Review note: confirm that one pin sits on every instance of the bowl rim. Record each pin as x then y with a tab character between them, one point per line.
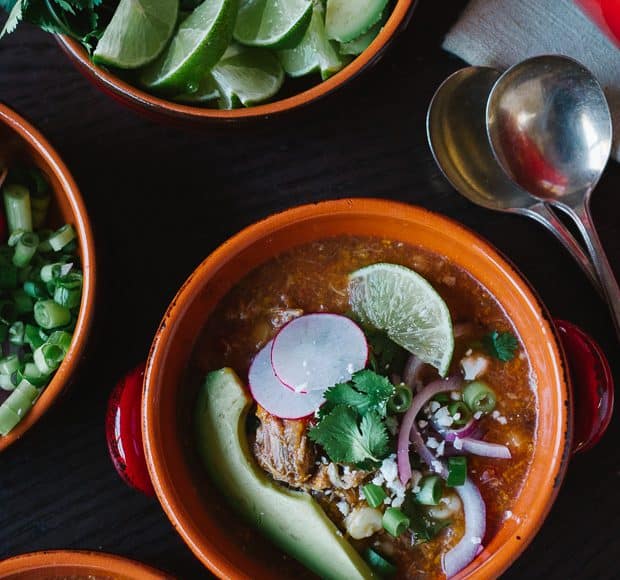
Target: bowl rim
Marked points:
68	188
506	553
99	562
141	100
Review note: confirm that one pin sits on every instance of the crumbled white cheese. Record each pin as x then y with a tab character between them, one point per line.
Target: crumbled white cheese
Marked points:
469	352
456	416
455	396
432	443
443	418
389	468
398	501
458	444
507	514
324	460
440	450
499	418
434	406
495	414
378	479
362	495
437	466
422	423
502	420
474	366
344	508
387	501
477	415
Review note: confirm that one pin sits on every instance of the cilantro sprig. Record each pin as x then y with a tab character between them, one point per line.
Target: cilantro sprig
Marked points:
386	356
351	425
501	345
83	20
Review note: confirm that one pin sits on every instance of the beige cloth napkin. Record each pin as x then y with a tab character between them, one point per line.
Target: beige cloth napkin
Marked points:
500	33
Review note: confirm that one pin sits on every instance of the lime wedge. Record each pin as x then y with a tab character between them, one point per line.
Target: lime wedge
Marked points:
346	20
403	304
247	76
205	91
199	42
361	43
137	33
272	23
315	52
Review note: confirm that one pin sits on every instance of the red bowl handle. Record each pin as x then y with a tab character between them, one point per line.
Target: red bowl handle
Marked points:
124	433
593	385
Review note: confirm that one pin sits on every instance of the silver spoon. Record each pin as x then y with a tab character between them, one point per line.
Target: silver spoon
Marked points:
456	131
549	127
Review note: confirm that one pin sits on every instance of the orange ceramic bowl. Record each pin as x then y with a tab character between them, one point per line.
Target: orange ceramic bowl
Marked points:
163	110
62	564
195	507
20	141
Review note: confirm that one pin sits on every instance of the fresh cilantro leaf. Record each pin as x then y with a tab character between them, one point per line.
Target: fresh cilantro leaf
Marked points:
386	356
501	345
366	392
347	440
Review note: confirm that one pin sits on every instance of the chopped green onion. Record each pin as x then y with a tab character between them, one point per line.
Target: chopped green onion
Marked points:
6	382
48	358
442	398
68	292
460	413
395	522
374	494
457	471
35	289
34	337
14	238
48	314
60	338
16	333
8	419
33	375
479	397
379	564
22	398
25	249
9	364
431	490
400	401
61	237
17	206
50	272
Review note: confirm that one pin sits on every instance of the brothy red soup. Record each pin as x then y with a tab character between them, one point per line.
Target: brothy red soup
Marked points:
486	436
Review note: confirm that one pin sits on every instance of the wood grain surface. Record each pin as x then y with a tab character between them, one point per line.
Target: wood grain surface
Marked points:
161	199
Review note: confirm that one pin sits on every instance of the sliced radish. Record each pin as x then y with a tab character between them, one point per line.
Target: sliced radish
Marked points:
275	397
317	351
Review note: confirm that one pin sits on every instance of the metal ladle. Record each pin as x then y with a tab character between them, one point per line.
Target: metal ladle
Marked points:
550	129
457	136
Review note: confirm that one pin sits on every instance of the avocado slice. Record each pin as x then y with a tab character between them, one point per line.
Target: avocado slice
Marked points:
293	520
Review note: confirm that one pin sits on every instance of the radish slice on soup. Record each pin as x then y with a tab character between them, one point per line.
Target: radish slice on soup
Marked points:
317	351
273	396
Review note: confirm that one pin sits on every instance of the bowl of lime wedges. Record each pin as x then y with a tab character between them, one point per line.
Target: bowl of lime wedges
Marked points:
193	60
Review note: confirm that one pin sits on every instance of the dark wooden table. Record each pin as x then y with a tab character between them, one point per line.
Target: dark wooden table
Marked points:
161	199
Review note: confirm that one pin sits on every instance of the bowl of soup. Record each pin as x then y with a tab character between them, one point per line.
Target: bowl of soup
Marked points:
47	281
76	565
356	388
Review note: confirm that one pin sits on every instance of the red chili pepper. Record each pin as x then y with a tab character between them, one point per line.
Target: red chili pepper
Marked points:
123	431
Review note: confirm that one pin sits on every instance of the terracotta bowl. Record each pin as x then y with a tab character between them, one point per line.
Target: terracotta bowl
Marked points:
197	510
59	565
163	110
20	141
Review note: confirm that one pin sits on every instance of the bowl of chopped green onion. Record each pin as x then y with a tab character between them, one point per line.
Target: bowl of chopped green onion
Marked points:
47	276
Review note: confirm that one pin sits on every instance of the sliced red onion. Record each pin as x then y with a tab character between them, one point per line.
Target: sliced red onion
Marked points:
409	430
411	373
475	527
451	434
484	448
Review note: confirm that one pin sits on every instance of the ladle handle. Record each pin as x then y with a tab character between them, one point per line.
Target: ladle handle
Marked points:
543	214
583	219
